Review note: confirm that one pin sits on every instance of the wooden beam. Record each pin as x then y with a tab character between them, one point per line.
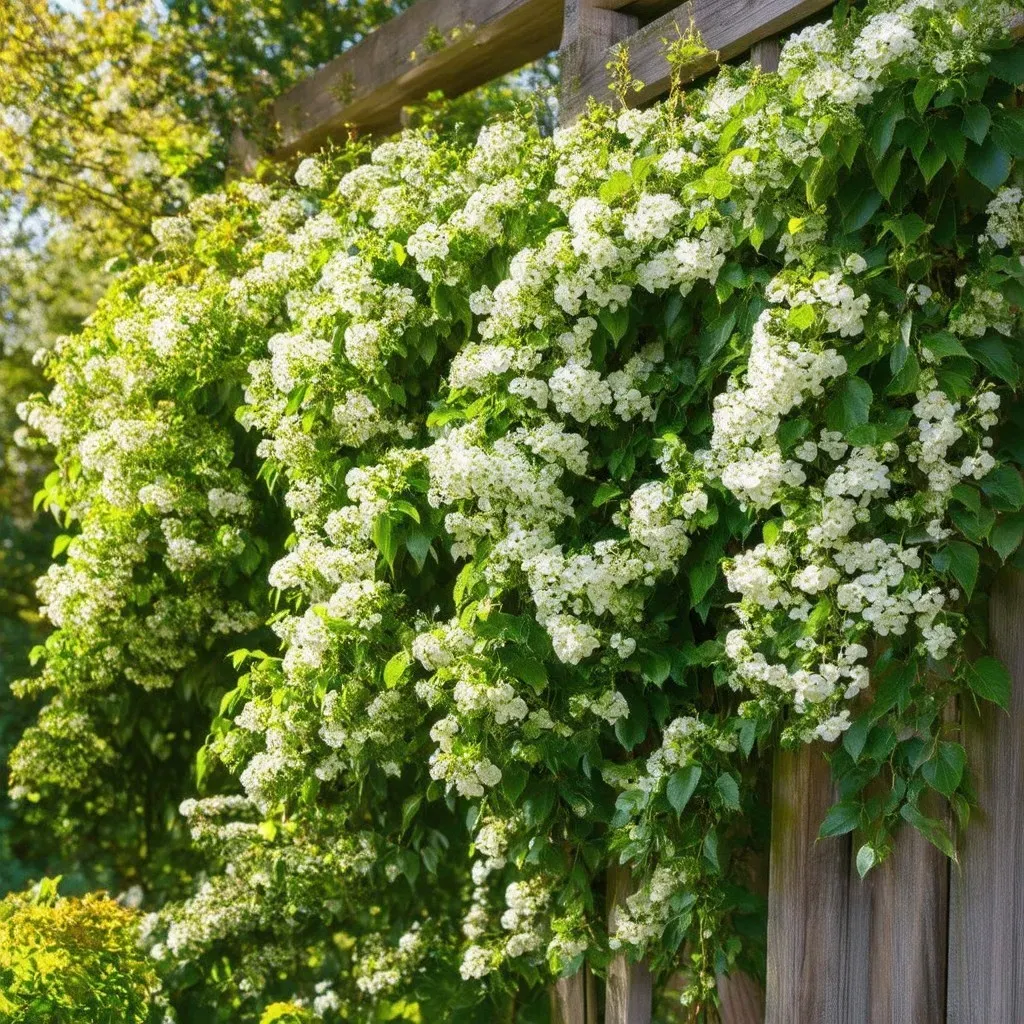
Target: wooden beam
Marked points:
986	922
453	45
728	27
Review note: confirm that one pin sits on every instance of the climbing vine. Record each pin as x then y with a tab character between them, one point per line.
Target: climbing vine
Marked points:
540	489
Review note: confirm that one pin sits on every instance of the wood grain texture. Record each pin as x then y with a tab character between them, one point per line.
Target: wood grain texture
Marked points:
453	45
588	34
896	938
807	895
742	999
629	987
765	54
569	1001
574	1000
728	28
986	927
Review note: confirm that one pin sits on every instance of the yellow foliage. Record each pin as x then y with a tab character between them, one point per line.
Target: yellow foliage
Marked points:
71	961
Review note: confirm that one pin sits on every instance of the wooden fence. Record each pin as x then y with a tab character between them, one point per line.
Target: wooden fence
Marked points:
921	940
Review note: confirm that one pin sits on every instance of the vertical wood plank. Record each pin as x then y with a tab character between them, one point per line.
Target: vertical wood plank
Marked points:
807	896
742	999
986	937
896	940
587	33
628	986
569	1000
574	1000
765	54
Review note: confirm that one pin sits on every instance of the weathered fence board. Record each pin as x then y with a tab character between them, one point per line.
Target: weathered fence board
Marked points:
807	895
986	929
896	938
742	999
453	45
574	1000
628	993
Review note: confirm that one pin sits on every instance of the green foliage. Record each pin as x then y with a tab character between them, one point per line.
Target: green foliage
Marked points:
72	961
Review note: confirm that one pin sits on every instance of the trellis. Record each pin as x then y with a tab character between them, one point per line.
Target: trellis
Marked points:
921	940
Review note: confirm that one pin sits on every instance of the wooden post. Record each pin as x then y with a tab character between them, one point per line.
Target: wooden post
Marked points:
628	987
986	924
587	33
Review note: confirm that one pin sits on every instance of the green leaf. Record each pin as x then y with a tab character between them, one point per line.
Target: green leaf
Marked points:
994	355
418	546
882	127
841	818
60	544
934	831
632	730
513	781
907	229
655	667
862	210
729	790
931	161
943	345
410	805
989	163
988	678
396	668
384	539
1006	536
801	317
821	183
962	563
528	670
616	322
944	770
950	140
604	494
714	336
398	251
855	737
701	579
1008	131
905	381
681	786
923	92
976	122
1008	65
1005	487
850	406
866	859
617	185
887	173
